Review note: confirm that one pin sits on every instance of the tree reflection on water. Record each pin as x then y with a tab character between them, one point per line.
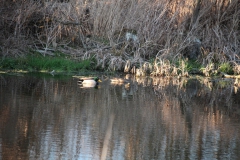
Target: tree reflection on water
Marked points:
152	118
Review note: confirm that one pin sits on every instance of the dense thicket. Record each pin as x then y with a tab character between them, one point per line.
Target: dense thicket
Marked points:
206	30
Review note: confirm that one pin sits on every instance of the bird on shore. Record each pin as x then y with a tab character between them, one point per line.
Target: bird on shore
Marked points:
52	72
89	81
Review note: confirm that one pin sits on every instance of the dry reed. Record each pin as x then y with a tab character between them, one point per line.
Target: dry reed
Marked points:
165	29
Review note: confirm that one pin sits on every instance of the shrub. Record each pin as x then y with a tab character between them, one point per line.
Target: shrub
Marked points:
226	68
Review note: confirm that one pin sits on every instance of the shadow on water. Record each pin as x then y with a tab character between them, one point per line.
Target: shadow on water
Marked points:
141	118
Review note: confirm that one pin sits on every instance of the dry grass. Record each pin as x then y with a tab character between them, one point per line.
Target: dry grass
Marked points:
164	29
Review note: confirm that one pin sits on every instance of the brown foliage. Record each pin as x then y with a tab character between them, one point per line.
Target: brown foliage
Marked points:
164	28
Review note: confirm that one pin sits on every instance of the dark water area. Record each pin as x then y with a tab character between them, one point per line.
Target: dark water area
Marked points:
46	117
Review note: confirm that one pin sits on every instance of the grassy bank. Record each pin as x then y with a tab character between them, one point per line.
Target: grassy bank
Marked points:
38	63
33	63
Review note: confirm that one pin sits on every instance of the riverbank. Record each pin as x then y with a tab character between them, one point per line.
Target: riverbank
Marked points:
38	63
158	38
60	62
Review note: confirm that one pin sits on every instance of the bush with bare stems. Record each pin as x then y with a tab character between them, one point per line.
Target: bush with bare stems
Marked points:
125	33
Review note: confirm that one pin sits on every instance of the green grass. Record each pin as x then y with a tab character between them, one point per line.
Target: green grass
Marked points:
192	65
226	68
39	63
189	65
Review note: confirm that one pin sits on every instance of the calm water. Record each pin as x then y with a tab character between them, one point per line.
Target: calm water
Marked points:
45	117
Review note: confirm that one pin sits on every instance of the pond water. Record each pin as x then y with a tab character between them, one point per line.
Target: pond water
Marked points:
52	117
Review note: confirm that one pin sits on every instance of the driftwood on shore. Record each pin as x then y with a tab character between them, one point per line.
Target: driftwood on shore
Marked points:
230	76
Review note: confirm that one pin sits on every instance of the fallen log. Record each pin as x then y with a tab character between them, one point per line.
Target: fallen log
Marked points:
230	76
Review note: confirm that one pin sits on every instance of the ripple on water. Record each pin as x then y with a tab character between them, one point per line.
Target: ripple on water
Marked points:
58	120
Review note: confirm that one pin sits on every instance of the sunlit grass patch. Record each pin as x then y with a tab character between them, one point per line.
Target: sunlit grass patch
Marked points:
226	68
45	64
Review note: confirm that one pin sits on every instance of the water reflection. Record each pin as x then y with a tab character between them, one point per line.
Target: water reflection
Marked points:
150	118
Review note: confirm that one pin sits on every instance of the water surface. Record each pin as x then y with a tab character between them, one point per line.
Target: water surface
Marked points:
46	117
